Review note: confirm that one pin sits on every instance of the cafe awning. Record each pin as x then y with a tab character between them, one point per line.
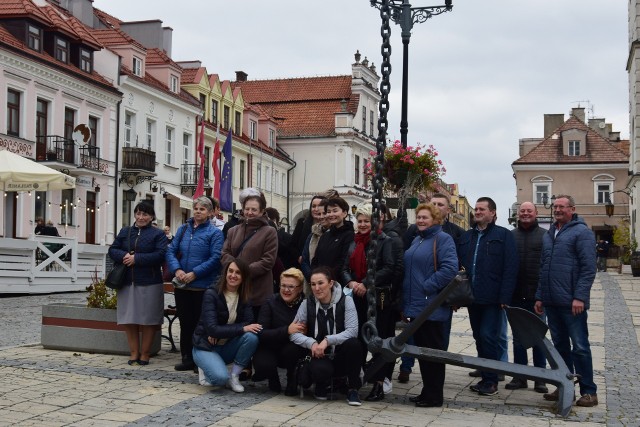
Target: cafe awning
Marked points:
19	173
185	202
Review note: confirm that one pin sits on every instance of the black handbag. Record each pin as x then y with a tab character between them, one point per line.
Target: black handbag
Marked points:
118	274
116	277
462	293
302	372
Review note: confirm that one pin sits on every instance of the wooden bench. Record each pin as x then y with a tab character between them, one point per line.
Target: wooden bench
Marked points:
171	314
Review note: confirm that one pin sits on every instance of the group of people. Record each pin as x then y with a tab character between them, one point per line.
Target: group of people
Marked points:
242	302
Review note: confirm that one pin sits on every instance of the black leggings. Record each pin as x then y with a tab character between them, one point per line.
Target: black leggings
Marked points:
267	359
346	361
188	306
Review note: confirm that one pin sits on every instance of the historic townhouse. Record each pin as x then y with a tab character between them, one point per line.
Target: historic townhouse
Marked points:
587	161
327	125
52	88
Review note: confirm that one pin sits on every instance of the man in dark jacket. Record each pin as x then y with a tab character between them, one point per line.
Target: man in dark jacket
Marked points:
568	268
528	237
488	253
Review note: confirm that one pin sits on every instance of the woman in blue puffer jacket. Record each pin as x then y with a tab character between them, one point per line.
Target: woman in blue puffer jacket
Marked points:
425	275
194	258
140	247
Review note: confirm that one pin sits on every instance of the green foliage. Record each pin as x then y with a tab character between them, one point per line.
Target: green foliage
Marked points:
622	237
99	295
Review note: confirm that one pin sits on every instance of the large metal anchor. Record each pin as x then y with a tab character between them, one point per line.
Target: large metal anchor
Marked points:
527	329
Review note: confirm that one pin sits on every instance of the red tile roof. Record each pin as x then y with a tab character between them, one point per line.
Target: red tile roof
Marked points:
115	37
598	148
106	19
157	84
192	75
156	56
19	48
301	106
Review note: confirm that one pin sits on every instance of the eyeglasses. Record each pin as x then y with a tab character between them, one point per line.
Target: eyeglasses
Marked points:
288	288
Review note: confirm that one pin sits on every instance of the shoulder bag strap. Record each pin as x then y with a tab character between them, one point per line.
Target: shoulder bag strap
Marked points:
435	258
244	242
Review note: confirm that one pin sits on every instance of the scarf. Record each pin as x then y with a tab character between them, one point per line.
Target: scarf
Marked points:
316	230
358	260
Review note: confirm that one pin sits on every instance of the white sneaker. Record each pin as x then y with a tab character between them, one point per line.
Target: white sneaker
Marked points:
387	386
234	384
202	379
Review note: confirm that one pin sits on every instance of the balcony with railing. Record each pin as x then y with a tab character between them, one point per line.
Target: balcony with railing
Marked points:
55	148
135	158
190	174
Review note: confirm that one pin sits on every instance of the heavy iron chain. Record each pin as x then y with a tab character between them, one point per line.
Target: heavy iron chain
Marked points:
369	329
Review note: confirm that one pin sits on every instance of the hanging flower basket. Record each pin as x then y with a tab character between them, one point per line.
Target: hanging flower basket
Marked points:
408	171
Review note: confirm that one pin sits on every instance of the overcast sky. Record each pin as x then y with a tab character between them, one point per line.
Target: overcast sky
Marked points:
480	77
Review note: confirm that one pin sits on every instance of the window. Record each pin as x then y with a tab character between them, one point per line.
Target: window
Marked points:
237	123
151	134
129	123
542	190
253	130
93	127
603	192
272	138
259	175
69	123
574	148
137	66
225	117
13	112
203	101
185	148
356	172
41	205
365	181
364	119
173	84
42	120
66	207
267	178
127	209
371	128
86	62
62	50
283	185
169	146
34	37
214	112
242	167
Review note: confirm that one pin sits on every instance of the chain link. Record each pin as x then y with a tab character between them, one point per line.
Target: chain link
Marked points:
369	330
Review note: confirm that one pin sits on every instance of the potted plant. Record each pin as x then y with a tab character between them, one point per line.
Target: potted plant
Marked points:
92	328
406	171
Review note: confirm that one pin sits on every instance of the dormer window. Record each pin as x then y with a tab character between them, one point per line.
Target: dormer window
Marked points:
34	37
137	66
574	148
86	60
62	50
173	84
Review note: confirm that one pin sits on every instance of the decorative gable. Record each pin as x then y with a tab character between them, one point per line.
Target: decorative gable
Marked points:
574	142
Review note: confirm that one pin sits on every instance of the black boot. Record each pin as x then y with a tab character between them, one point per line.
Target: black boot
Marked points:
274	383
187	364
376	394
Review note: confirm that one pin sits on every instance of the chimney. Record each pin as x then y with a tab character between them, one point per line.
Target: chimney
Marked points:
80	9
552	122
578	113
599	126
241	76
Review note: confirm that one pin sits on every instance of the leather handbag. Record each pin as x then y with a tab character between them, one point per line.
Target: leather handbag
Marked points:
118	274
462	293
116	277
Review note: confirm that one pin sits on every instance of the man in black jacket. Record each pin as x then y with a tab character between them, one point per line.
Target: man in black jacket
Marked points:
528	237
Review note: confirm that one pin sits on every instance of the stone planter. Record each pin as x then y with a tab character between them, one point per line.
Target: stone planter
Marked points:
75	327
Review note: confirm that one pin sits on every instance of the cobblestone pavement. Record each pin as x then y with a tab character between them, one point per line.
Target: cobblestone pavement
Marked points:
42	387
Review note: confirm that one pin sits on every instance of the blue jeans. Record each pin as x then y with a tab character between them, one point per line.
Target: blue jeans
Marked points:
238	350
486	324
519	352
503	341
570	335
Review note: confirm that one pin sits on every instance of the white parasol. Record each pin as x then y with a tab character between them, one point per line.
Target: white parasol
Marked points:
19	173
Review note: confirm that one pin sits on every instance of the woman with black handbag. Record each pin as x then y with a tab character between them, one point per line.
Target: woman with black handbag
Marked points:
430	264
388	275
141	248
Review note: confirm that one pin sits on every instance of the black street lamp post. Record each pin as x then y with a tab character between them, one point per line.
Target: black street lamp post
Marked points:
546	204
404	15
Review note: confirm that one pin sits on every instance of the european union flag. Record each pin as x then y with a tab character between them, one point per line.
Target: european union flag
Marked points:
226	195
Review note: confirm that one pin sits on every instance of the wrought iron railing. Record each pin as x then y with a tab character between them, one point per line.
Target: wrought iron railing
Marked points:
138	158
190	174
